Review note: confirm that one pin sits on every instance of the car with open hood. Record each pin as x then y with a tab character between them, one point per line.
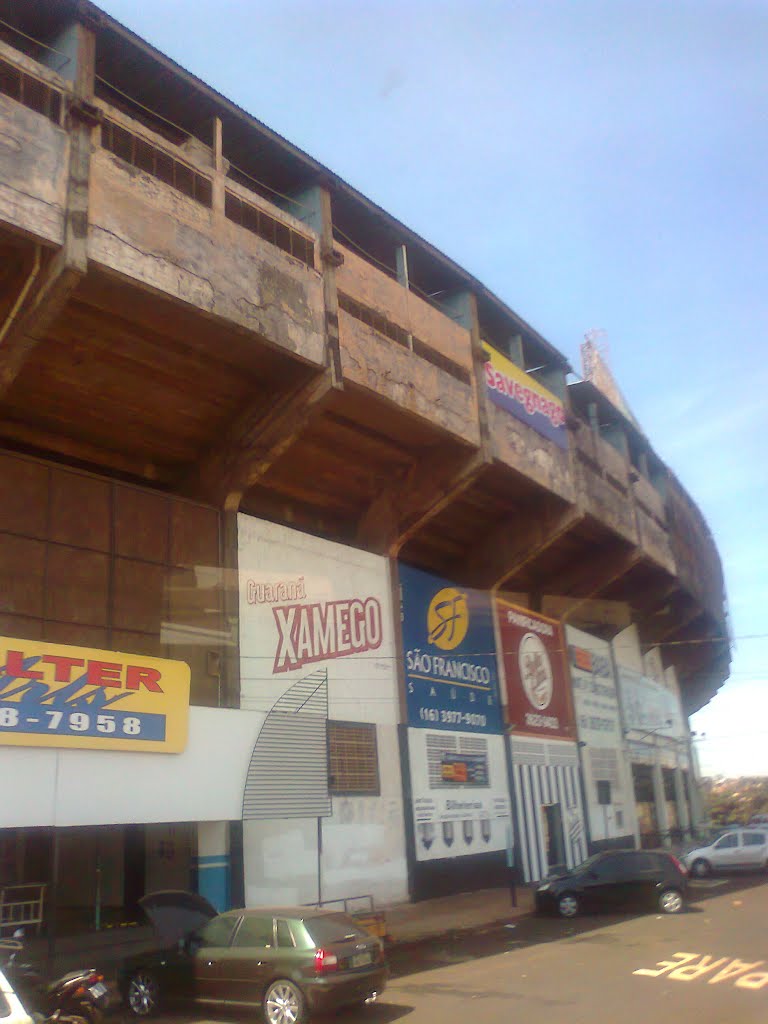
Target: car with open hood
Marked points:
287	960
617	880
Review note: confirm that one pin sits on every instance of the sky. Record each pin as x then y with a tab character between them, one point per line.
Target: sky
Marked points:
598	165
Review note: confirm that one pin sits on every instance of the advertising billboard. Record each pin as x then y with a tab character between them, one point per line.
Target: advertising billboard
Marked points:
460	794
450	655
538	692
649	706
607	783
52	695
520	395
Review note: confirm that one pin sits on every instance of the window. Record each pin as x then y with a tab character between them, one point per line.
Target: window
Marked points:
255	931
727	842
217	932
333	928
353	759
754	838
603	791
284	936
643	862
607	869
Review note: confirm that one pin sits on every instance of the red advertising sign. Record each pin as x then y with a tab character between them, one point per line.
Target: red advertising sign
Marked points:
539	701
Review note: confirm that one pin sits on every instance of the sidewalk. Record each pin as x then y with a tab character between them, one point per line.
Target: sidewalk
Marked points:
405	923
468	911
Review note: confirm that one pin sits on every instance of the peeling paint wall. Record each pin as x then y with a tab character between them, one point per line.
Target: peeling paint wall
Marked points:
362	281
374	362
146	230
34	154
527	451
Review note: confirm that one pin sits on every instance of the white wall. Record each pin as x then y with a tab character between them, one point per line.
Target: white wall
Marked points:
363	840
102	787
598	721
436	804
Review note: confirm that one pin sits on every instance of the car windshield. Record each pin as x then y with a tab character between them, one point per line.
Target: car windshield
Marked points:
333	928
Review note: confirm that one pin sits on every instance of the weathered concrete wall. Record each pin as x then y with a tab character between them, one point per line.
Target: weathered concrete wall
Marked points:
146	230
364	282
654	539
602	500
34	155
525	450
696	558
650	499
389	370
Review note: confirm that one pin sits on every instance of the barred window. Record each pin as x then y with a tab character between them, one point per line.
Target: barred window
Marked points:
353	759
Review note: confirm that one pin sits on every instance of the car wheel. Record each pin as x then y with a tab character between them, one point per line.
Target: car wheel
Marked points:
671	901
284	1003
701	868
143	994
568	905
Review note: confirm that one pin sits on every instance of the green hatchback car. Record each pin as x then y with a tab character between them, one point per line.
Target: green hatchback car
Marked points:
288	961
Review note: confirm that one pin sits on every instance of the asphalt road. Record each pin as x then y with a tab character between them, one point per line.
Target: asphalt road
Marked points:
708	965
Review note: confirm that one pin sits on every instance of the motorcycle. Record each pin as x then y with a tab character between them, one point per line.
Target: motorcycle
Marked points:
78	997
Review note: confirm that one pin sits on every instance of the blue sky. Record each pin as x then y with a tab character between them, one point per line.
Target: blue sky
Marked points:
597	165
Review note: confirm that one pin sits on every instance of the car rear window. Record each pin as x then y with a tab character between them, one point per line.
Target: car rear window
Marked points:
332	928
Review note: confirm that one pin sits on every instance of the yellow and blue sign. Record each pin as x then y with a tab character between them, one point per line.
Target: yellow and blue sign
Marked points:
515	391
57	696
450	655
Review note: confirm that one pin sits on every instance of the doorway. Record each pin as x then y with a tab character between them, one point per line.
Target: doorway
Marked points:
554	837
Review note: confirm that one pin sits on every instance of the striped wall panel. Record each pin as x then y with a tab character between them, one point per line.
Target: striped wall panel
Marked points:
534	786
288	772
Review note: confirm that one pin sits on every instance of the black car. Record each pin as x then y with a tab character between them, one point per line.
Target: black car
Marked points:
614	880
285	961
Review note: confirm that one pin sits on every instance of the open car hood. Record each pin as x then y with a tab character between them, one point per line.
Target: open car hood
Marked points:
175	913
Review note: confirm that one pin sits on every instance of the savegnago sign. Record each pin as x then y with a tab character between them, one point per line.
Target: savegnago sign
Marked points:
52	695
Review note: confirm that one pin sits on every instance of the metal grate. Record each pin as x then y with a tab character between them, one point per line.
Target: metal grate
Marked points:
30	92
274	231
142	154
383	325
353	759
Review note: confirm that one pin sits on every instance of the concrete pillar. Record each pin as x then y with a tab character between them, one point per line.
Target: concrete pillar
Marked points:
661	803
213	863
516	351
313	207
681	799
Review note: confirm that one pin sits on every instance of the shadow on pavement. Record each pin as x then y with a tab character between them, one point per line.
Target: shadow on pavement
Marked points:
457	947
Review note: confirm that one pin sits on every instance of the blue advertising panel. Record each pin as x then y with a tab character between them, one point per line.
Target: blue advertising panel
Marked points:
450	655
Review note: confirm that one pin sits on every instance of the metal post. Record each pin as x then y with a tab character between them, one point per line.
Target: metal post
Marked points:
53	903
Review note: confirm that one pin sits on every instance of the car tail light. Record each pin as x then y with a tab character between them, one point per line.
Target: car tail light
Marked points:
86	983
325	961
678	864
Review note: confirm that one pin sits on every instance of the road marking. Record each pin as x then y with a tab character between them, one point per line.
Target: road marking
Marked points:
694	966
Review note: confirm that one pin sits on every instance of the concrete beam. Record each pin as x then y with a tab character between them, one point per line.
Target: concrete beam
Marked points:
514	545
255	441
407	505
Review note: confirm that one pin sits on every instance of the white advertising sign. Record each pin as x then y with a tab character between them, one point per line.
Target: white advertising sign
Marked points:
318	660
649	706
309	607
598	720
460	793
